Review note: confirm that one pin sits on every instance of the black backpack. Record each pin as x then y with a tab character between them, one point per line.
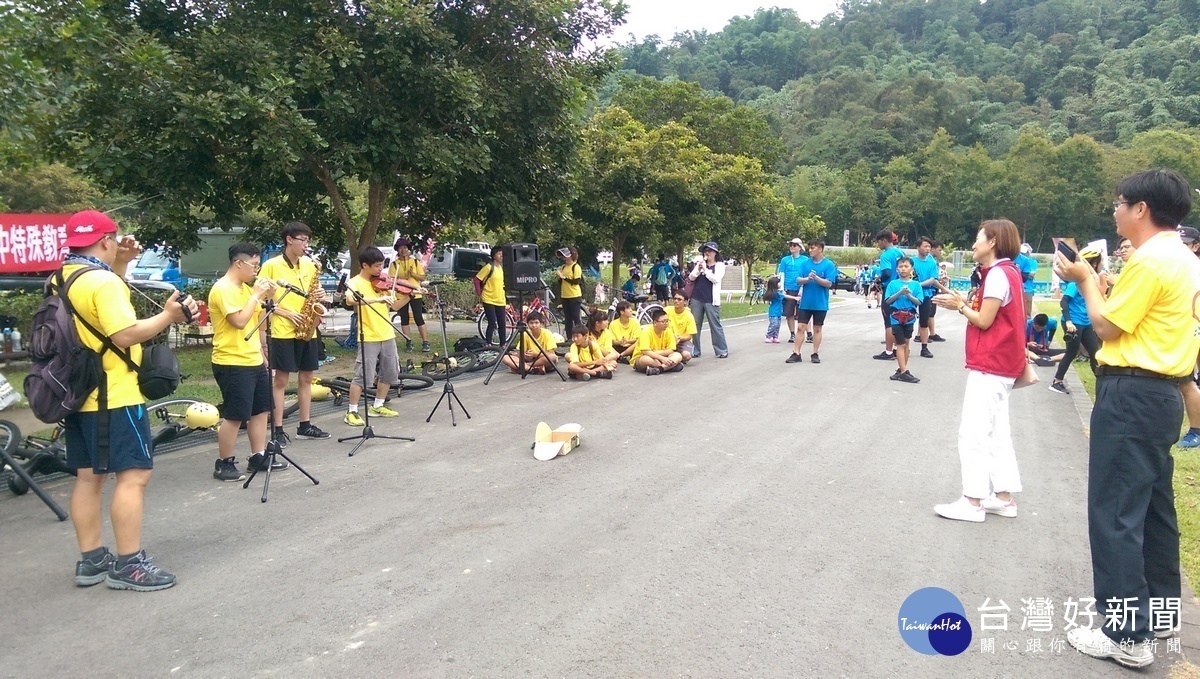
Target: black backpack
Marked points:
63	371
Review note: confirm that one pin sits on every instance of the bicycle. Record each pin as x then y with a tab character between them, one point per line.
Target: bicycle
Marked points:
534	303
759	289
642	306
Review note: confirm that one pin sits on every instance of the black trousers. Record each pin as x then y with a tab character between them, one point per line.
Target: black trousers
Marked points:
496	320
1084	335
1131	503
573	310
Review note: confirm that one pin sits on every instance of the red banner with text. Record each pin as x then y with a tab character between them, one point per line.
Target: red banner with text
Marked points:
31	243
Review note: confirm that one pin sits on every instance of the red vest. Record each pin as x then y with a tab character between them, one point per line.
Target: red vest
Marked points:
1000	350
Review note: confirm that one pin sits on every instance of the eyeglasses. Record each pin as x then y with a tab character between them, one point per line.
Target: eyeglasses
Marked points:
1118	203
253	267
304	239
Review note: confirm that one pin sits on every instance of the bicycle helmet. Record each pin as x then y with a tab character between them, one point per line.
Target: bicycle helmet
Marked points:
320	392
202	416
1089	253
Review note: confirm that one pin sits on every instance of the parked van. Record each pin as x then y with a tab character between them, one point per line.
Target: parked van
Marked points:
461	263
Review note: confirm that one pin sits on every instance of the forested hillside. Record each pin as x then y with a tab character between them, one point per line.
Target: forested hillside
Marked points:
928	116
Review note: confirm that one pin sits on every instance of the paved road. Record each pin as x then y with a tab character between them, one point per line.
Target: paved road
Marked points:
745	517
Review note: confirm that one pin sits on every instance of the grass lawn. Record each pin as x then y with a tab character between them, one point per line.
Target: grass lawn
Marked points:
1187	475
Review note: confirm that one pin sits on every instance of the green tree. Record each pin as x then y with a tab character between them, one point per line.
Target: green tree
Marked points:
444	110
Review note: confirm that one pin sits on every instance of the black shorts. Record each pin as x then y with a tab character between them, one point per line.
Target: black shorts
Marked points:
902	333
817	317
128	440
417	307
789	305
925	311
886	309
293	355
245	391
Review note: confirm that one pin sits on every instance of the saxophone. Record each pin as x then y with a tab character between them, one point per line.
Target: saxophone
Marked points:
312	311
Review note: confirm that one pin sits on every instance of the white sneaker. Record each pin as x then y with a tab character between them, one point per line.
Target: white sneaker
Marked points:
993	505
1094	642
961	510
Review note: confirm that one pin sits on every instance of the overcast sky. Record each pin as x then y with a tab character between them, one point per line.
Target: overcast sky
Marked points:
667	17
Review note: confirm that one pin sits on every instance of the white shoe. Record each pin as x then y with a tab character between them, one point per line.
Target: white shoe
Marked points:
1094	642
961	510
993	505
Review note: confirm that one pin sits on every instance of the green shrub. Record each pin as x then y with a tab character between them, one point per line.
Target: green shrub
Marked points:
19	305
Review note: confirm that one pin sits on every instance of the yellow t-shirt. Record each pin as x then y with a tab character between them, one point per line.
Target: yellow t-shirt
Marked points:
652	341
89	293
621	332
493	286
278	269
682	323
1156	303
605	340
408	270
376	327
571	290
230	346
545	339
592	353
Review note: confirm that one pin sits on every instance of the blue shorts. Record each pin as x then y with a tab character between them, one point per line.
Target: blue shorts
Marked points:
128	440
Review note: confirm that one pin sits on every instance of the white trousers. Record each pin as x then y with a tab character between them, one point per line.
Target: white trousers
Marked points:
985	447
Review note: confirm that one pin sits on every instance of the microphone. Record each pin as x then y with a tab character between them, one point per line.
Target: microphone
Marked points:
341	286
292	288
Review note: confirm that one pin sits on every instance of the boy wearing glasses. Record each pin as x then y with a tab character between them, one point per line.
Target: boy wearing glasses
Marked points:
289	354
683	324
237	363
655	352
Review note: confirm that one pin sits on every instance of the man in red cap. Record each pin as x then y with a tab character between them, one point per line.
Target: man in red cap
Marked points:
92	242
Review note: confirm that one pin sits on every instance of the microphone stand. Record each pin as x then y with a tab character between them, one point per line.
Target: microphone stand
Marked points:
368	432
273	448
447	387
522	330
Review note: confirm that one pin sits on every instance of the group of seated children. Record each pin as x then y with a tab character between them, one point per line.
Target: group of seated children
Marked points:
663	345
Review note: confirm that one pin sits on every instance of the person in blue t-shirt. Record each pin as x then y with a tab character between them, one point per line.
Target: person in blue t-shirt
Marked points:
1028	267
1077	327
629	289
789	280
1039	333
661	275
817	276
889	259
926	272
773	298
903	299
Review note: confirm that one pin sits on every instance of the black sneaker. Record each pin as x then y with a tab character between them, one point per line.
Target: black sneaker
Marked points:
139	575
936	338
792	339
1059	387
895	375
256	462
925	352
908	377
226	469
808	338
795	358
652	371
90	572
885	356
814	358
424	346
281	437
311	431
408	345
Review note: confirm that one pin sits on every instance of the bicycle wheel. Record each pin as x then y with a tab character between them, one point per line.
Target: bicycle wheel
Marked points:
481	322
643	315
459	363
484	359
412	382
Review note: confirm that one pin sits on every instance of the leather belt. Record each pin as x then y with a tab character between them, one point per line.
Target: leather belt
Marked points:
1116	371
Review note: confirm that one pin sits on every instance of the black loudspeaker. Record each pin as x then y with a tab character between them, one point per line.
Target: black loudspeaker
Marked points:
522	269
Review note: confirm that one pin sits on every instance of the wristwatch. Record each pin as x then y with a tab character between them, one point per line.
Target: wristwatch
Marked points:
963	310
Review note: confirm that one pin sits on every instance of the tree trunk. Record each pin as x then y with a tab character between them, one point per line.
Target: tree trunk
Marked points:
339	207
618	241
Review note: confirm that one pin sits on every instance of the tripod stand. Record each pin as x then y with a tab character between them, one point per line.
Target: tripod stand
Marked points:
273	448
522	330
447	387
368	432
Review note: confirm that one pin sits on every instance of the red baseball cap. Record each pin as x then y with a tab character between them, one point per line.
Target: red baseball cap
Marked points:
87	228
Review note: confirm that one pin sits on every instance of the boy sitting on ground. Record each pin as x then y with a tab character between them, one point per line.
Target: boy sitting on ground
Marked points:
586	357
1039	333
624	330
655	352
536	362
683	324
